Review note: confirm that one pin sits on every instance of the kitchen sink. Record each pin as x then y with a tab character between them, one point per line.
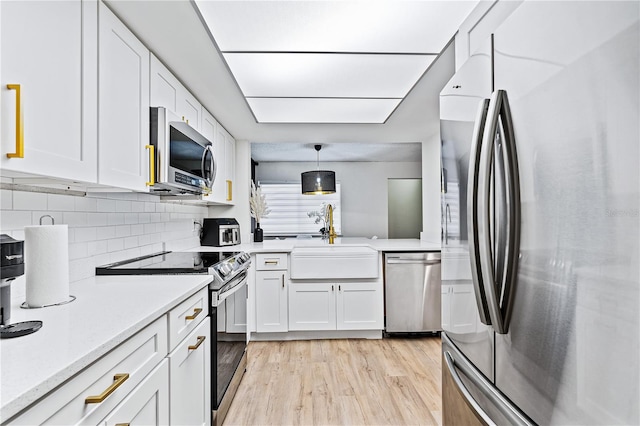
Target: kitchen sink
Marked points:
334	262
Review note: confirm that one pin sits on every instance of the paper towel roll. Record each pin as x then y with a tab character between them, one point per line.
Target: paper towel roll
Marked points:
46	261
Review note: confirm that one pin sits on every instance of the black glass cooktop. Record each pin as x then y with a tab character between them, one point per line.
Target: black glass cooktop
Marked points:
166	263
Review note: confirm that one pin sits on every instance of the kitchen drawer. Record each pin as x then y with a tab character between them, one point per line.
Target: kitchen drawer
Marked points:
185	317
271	261
67	405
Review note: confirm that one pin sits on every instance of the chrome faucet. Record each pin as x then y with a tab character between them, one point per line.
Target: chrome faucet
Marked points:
332	231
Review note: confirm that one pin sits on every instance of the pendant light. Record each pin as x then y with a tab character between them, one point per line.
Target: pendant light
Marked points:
318	182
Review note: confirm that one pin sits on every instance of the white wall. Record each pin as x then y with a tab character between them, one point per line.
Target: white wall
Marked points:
104	227
364	189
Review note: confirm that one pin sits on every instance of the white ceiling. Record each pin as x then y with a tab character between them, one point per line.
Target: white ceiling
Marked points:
384	152
174	32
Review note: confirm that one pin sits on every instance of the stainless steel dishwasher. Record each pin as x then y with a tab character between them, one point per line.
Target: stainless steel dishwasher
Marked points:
412	292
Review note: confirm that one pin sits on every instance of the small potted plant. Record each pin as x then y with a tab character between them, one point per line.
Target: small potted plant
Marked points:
259	209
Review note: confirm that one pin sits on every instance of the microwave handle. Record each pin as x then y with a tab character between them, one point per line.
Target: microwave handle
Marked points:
208	179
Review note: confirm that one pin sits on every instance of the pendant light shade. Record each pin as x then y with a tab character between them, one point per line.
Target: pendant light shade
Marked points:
318	182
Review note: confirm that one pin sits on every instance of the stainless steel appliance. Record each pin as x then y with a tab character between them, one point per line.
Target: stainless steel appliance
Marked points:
183	159
541	194
228	310
220	232
11	267
412	292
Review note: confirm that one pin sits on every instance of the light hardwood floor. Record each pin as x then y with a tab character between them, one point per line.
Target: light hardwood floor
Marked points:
394	381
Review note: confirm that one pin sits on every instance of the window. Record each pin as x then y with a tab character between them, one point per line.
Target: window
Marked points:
289	210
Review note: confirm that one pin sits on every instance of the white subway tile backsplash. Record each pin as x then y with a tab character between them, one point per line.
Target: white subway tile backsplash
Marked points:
104	205
6	199
106	232
61	202
29	201
123	231
104	227
85	234
85	204
115	218
14	220
75	218
115	244
123	206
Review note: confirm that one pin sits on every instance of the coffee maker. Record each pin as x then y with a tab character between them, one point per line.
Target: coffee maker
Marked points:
11	267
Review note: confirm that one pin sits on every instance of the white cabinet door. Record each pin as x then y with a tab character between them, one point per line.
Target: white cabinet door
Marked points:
190	378
123	105
359	306
229	165
167	91
147	404
445	303
312	306
271	301
224	151
236	307
463	308
164	86
48	48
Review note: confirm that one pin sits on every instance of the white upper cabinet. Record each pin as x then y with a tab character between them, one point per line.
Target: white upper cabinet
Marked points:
48	50
168	92
123	105
224	153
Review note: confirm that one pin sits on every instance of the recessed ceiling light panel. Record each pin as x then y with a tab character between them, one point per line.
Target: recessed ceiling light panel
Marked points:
326	75
293	110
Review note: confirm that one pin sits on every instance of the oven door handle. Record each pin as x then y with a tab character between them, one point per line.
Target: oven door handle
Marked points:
222	296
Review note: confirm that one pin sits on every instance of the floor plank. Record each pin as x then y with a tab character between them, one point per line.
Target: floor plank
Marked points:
393	381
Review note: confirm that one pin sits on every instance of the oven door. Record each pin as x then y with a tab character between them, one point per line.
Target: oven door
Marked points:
228	353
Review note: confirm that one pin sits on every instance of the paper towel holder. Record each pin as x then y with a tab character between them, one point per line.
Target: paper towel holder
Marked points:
53	221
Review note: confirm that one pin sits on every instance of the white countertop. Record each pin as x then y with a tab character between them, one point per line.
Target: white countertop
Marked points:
287	245
108	310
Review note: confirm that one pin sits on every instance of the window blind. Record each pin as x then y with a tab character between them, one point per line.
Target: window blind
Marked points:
289	210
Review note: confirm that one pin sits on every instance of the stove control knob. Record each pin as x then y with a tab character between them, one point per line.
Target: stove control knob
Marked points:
224	269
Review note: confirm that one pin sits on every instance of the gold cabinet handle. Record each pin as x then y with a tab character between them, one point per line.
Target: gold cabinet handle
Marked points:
152	165
196	312
229	190
123	424
270	262
19	125
200	340
118	380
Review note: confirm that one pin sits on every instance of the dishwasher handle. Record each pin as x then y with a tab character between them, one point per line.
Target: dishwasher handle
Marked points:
397	261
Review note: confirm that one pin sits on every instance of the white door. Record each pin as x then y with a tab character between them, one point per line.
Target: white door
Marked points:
165	88
312	306
229	165
190	378
123	105
359	306
464	311
48	48
271	301
147	404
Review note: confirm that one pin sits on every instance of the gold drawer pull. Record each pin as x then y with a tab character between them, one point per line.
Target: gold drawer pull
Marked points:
200	340
123	424
196	312
270	262
152	165
118	379
229	190
19	125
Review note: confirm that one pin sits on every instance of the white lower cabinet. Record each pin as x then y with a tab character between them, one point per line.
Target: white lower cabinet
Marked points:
190	378
91	395
271	291
148	404
459	304
336	306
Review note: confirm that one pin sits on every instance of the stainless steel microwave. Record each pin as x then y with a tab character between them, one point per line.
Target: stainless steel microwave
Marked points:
184	160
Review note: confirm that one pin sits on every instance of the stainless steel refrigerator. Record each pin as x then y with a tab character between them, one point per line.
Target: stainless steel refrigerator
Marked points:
541	220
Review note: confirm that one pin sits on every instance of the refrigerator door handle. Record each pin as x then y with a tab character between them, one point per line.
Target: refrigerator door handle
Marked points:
472	212
512	245
500	297
486	388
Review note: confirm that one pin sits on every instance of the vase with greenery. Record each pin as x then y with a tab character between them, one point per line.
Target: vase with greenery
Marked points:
259	209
